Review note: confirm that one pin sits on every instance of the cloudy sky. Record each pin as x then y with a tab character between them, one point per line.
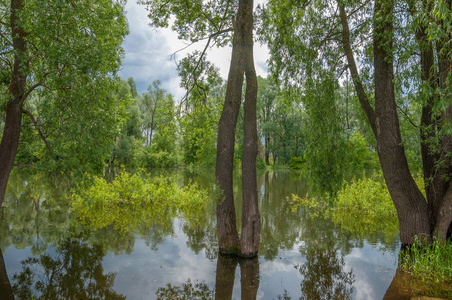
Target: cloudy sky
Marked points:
148	53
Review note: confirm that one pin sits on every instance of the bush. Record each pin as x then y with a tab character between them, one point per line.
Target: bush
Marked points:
150	159
129	200
296	163
260	163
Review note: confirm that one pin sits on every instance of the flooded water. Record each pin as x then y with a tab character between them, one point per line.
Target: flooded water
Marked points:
46	253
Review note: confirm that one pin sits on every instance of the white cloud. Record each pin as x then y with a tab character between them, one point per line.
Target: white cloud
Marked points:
148	53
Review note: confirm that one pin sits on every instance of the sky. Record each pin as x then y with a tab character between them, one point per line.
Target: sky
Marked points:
148	53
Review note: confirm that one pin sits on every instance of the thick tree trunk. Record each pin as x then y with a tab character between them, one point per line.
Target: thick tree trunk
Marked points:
228	239
11	131
251	224
241	63
410	204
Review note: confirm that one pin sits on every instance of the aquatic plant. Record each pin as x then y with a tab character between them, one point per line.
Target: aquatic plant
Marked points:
129	200
430	264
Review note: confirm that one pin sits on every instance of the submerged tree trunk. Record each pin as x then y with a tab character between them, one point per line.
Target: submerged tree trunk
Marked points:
411	206
242	64
251	223
6	291
11	131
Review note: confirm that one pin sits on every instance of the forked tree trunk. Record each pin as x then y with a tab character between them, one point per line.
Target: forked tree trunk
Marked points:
412	209
11	131
241	64
411	205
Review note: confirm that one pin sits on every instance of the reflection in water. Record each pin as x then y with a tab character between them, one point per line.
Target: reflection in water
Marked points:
224	284
324	277
404	287
186	291
5	286
35	216
74	272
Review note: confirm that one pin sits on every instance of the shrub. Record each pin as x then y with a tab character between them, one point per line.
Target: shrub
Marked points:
296	163
128	201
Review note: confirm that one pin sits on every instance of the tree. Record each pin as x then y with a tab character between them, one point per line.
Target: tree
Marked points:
152	105
419	27
65	51
211	21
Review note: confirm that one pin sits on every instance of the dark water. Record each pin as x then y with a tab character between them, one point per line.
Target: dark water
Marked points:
299	257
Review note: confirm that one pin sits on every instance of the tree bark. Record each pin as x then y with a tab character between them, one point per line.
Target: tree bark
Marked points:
410	204
13	120
228	239
251	223
362	96
242	64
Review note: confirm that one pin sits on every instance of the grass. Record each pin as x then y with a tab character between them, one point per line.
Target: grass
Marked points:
432	262
430	265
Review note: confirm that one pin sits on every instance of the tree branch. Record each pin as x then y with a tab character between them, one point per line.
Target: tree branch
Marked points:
41	134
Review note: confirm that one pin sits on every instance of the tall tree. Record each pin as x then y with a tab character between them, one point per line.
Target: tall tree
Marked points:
67	51
390	45
211	21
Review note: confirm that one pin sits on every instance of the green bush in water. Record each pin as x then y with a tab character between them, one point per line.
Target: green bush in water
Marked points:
362	207
128	201
296	163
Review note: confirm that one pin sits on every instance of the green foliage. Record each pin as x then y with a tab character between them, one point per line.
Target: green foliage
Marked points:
260	163
70	85
199	125
358	157
364	207
149	158
296	163
128	201
431	264
324	136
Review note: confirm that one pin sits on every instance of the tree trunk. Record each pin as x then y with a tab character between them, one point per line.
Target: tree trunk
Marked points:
13	120
228	239
267	153
251	223
410	204
241	63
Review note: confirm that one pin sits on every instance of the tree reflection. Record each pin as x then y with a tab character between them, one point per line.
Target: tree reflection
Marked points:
74	272
5	286
34	212
224	282
324	277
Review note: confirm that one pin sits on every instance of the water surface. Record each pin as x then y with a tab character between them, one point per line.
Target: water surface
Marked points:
299	257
